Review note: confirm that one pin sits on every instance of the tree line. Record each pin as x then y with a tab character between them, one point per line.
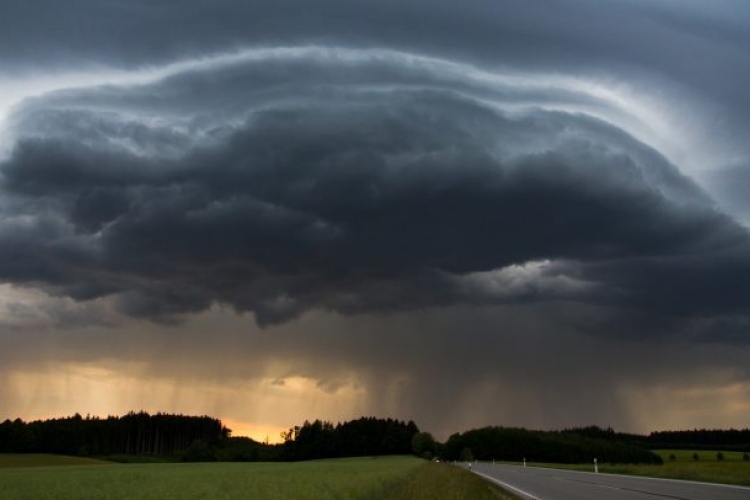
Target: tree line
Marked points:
699	439
132	434
191	438
568	446
187	438
366	436
705	439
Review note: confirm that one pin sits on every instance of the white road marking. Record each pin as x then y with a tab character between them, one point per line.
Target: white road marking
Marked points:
506	485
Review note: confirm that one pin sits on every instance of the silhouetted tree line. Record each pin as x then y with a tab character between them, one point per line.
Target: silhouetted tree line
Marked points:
187	438
367	436
190	438
706	439
568	446
134	433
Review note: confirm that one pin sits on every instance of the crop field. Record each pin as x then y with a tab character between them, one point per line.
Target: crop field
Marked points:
733	469
40	460
389	478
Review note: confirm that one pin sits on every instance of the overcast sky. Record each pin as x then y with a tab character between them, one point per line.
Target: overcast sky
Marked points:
495	212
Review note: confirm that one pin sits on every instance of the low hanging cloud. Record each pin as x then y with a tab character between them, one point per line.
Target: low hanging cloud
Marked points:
280	181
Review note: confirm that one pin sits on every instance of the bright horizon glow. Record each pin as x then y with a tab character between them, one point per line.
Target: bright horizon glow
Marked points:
259	432
265	407
257	409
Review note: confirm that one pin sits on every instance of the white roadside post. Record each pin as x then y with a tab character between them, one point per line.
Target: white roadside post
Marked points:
524	461
596	467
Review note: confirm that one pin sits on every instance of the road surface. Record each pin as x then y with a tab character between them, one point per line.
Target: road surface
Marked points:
554	484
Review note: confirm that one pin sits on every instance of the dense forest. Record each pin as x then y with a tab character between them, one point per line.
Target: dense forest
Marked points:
582	444
202	438
140	436
134	433
706	439
362	437
569	446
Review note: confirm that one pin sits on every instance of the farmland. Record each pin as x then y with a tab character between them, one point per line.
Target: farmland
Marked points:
731	470
13	460
397	478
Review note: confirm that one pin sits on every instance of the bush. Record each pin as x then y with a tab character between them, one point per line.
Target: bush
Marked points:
467	455
696	457
199	452
672	457
423	445
719	456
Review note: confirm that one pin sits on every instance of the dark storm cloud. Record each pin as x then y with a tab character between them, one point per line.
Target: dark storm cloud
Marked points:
354	181
140	32
143	32
731	184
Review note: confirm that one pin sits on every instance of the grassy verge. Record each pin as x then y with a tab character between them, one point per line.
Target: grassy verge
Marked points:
731	470
446	482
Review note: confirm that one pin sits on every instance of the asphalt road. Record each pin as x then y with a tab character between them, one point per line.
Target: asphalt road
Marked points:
553	484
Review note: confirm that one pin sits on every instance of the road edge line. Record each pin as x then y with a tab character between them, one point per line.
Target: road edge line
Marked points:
666	479
506	485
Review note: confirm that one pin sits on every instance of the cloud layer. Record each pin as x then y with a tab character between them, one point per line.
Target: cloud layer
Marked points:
280	181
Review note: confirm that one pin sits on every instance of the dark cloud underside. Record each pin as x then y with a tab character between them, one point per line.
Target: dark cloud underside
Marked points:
354	182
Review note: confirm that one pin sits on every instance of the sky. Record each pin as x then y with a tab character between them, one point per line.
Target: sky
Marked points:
497	212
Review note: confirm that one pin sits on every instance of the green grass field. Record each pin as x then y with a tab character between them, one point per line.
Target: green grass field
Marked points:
732	470
42	460
389	478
